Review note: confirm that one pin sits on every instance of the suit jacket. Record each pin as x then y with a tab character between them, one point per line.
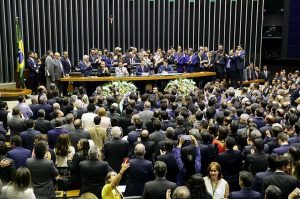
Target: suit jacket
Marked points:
3	117
28	138
283	181
264	129
240	60
158	188
266	75
139	172
42	125
124	122
133	136
245	193
49	68
294	139
150	148
257	162
282	149
172	169
53	135
32	67
258	178
47	108
260	122
58	71
146	115
226	159
76	135
42	172
93	174
115	151
140	70
19	155
85	70
16	125
166	124
98	135
67	65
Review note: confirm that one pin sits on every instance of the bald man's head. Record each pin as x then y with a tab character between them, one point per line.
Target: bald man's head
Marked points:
181	192
144	135
139	150
77	123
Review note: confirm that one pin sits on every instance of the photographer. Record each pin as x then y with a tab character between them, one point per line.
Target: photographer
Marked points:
187	165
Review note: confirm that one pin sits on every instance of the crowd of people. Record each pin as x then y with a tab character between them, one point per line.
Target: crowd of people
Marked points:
211	143
230	65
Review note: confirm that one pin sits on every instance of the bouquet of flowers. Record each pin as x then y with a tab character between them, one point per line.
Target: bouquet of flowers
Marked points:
118	88
181	86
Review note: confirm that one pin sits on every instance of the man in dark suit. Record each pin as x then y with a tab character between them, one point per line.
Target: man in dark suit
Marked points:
158	187
65	61
142	68
93	173
165	123
67	66
259	118
245	182
192	61
42	172
54	133
158	134
257	182
18	153
257	161
28	136
284	145
149	146
133	135
220	62
41	124
3	114
140	172
280	178
16	124
116	150
78	133
169	159
231	69
43	105
125	120
239	55
265	74
228	158
269	121
85	66
33	72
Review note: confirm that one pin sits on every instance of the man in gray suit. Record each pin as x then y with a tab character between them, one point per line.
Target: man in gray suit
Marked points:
146	115
42	172
57	72
16	123
158	187
48	67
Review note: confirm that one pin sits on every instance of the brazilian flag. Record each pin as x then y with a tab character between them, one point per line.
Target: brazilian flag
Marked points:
20	54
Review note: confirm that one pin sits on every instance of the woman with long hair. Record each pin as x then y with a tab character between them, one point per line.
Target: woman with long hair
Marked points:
197	187
83	147
19	187
216	186
64	150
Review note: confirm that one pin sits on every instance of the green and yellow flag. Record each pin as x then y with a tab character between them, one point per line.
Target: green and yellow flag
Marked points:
20	54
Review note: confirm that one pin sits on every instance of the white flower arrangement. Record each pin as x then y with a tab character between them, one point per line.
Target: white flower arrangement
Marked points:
182	86
119	88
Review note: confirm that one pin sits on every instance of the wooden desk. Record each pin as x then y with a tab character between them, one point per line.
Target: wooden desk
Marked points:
136	78
13	93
